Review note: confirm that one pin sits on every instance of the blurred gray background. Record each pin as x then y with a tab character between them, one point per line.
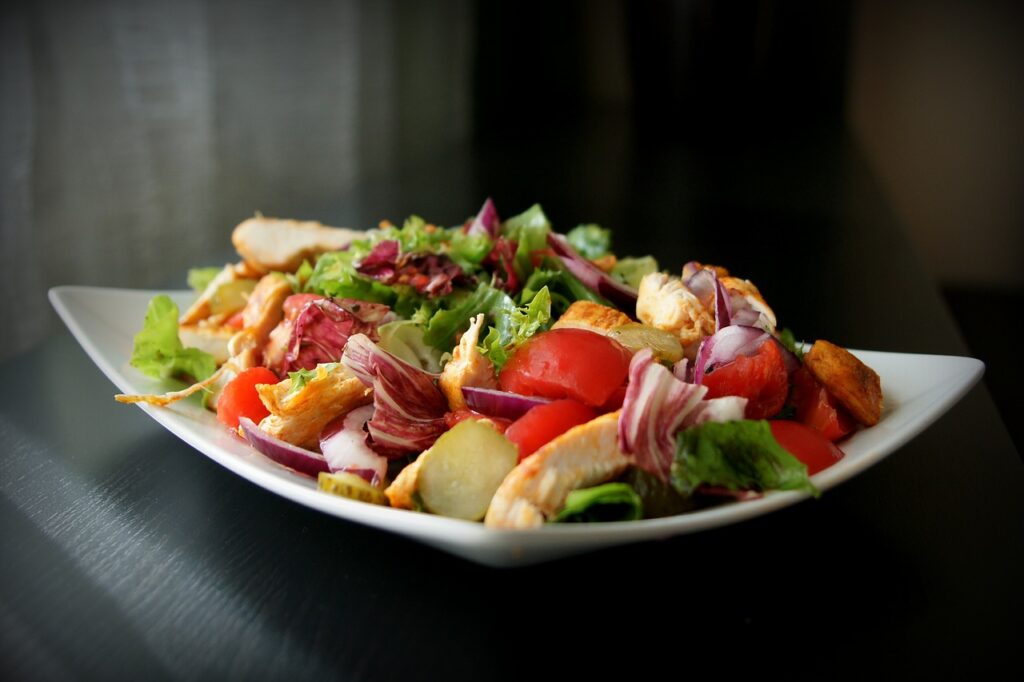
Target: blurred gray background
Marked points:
135	135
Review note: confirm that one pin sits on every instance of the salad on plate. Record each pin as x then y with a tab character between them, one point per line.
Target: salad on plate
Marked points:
503	372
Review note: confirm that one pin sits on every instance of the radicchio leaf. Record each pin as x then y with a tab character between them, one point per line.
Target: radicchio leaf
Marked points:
486	221
502	259
323	327
431	274
409	408
655	407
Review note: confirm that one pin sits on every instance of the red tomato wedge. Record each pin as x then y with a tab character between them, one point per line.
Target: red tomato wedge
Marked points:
546	422
567	363
240	399
806	444
761	379
816	407
294	304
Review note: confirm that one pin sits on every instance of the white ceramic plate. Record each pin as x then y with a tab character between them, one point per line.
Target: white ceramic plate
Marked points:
918	389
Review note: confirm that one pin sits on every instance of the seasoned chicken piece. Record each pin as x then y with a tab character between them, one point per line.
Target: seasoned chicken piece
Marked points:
693	267
665	303
225	294
299	417
262	312
467	367
272	244
853	383
405	485
745	297
592	316
536	489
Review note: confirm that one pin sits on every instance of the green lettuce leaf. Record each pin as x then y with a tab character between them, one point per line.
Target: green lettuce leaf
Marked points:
302	377
447	322
631	270
591	241
530	229
334	275
788	340
515	326
404	340
738	455
468	250
200	278
607	502
159	353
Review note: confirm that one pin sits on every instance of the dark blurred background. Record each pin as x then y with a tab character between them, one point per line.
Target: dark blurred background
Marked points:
136	134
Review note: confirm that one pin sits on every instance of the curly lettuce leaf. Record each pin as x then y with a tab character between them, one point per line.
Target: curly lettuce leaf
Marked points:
530	231
159	353
736	455
514	327
607	502
444	324
591	241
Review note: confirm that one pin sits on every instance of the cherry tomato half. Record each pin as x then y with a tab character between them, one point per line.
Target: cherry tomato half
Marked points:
816	407
806	444
240	399
761	379
567	363
544	423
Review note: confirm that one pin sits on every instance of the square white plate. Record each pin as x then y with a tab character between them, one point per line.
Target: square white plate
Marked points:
918	389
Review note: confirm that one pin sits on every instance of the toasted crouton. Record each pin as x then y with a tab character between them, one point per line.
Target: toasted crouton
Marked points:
592	317
299	417
269	244
400	492
849	380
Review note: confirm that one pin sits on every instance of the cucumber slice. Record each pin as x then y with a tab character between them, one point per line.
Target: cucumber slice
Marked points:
461	472
351	486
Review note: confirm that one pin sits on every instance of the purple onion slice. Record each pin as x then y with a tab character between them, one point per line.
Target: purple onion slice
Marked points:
495	403
591	275
725	346
302	460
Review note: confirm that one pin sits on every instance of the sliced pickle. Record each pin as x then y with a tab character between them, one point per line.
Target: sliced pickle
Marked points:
462	470
351	486
636	337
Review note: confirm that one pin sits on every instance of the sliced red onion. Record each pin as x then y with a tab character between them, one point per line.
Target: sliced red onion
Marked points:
302	460
725	346
409	408
343	442
592	276
655	406
486	221
503	404
705	285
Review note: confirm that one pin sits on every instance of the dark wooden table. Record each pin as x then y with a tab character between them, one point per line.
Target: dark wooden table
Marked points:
125	554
